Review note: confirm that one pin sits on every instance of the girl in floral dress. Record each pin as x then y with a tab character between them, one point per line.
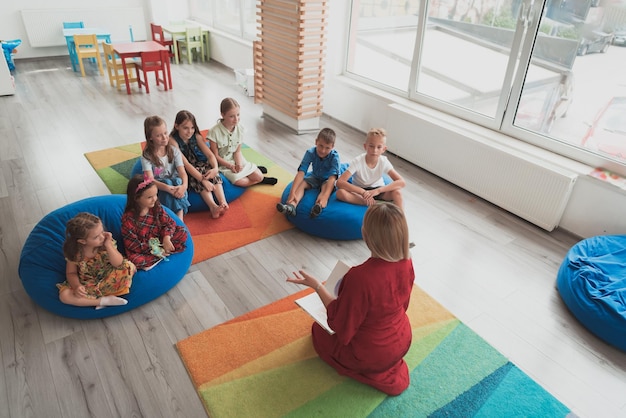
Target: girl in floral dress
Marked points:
199	161
144	218
96	272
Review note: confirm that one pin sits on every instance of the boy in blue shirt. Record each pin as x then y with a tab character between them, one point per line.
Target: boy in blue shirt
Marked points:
324	160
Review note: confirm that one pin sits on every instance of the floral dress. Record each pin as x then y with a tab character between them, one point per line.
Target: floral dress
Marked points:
101	278
196	158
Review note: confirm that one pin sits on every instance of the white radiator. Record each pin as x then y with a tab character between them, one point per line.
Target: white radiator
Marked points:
44	27
519	183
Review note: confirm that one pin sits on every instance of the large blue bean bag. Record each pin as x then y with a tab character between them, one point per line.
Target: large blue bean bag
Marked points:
339	220
42	264
198	204
592	283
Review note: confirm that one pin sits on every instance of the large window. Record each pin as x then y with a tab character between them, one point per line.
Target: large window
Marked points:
237	17
548	72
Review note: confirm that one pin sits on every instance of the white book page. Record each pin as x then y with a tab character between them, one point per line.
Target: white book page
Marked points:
312	303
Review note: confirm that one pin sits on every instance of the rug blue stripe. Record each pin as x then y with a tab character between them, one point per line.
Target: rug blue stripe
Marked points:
470	402
459	362
520	396
465	376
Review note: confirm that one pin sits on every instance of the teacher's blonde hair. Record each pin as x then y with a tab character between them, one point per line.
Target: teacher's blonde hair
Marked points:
386	232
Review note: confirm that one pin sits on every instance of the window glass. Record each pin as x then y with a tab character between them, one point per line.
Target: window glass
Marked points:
466	53
382	42
548	72
583	44
201	10
249	19
227	16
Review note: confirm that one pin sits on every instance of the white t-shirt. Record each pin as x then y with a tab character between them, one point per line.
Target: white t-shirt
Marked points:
363	176
168	168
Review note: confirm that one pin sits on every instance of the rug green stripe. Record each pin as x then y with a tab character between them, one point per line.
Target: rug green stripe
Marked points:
462	360
272	393
114	181
255	157
426	339
352	398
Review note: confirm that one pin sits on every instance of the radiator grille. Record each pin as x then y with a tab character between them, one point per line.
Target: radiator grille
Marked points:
44	27
531	188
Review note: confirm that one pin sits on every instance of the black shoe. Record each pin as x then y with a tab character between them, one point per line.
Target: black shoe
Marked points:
269	180
262	169
315	211
287	209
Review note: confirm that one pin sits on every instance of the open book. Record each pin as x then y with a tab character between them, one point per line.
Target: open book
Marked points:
312	303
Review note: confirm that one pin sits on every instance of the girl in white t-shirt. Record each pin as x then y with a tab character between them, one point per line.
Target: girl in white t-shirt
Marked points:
367	171
164	163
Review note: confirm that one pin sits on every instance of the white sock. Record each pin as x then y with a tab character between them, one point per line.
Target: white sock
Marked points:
111	301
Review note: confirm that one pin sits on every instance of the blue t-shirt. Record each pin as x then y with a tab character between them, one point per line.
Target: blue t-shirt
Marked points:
322	167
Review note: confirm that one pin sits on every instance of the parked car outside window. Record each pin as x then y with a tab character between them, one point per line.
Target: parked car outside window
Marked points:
619	37
595	41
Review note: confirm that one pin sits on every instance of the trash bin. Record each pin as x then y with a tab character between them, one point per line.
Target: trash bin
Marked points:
8	47
245	79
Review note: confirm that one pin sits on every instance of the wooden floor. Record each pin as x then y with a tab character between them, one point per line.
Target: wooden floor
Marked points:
492	270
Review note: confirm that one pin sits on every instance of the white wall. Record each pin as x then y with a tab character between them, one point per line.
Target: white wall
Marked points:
12	27
230	51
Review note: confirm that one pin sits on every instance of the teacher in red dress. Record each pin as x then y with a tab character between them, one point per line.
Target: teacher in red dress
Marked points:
372	330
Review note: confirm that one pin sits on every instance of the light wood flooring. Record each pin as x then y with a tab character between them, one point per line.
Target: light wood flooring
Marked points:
491	269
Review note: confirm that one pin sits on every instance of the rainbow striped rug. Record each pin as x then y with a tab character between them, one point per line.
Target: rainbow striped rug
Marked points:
262	364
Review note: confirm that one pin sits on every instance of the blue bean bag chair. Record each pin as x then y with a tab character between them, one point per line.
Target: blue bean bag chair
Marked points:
42	264
198	204
592	283
339	220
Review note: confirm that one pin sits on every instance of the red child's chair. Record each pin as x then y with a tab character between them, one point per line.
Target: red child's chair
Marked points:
157	36
151	62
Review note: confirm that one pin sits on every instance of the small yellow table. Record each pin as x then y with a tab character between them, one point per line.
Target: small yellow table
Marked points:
179	30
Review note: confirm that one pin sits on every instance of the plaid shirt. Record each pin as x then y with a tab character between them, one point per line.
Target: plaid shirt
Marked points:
156	224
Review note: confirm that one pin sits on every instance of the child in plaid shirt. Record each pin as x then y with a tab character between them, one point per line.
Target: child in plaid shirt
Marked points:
144	218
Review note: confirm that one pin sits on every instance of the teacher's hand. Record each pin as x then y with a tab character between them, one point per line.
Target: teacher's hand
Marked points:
305	279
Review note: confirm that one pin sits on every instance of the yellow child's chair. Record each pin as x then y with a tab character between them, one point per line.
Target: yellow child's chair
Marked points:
193	40
87	47
115	70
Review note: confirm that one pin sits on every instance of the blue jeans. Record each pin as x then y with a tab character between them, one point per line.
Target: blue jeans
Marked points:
169	200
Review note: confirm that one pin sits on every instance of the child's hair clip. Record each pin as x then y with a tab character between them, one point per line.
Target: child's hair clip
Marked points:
145	183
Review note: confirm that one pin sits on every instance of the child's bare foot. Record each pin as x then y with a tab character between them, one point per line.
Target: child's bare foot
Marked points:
215	212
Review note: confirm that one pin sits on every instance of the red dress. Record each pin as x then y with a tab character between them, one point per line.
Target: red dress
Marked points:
156	224
372	330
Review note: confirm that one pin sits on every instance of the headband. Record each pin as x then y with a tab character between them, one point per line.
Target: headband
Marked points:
145	183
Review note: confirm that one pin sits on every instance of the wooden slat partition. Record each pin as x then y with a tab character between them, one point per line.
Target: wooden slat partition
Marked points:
289	56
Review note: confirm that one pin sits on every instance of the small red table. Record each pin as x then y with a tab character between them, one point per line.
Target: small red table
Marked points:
134	49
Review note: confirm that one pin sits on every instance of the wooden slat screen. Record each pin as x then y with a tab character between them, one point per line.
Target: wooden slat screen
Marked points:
289	56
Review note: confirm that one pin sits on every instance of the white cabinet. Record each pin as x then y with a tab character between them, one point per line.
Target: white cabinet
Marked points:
6	81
